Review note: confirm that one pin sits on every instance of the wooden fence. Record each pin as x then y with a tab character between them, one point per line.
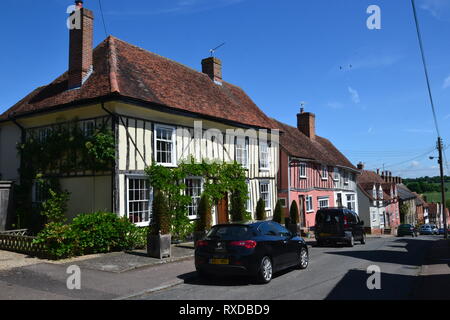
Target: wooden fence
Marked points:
17	241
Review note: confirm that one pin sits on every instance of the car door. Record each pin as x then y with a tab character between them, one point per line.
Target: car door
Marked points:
359	229
274	244
291	247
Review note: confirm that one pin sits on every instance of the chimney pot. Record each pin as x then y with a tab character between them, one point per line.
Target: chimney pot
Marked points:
213	68
361	166
306	123
80	48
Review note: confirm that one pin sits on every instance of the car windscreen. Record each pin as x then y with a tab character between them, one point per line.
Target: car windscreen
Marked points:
328	217
230	232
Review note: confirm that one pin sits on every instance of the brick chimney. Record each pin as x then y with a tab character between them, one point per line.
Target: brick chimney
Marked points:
360	166
306	123
80	46
213	68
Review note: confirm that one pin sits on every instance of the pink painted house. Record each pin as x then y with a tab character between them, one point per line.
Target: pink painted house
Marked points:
313	172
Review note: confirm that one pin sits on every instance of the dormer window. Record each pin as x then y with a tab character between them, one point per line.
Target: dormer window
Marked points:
302	170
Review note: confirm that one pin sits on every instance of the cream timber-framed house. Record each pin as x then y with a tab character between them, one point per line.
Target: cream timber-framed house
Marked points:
158	111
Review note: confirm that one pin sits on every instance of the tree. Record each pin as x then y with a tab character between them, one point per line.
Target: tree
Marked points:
261	210
278	215
204	211
161	215
293	213
237	210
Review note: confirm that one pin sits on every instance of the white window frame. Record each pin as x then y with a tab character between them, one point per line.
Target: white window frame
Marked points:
324	172
249	207
194	217
352	201
309	204
127	199
303	167
85	129
244	161
283	202
346	178
264	165
321	199
173	162
268	203
336	174
37	193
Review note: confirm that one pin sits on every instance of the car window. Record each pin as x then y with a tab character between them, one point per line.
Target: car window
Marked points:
282	231
267	229
327	217
230	232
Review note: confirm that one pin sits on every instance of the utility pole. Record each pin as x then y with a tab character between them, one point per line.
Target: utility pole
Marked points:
441	167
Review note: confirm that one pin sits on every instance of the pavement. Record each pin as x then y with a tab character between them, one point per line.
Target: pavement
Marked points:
412	268
434	278
117	275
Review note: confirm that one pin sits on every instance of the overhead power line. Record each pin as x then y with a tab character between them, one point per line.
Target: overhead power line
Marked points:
103	17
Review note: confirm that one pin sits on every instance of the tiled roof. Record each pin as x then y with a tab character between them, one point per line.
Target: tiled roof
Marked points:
404	193
131	72
319	149
367	176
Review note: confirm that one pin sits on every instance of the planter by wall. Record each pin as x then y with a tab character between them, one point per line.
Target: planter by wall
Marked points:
159	246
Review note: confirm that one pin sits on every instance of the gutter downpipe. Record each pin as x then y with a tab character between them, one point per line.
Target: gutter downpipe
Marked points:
114	173
289	183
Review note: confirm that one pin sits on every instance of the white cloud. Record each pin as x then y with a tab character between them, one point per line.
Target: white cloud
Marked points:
354	95
335	105
178	7
440	9
415	164
446	83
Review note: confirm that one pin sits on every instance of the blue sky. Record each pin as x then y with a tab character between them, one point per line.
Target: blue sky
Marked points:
281	53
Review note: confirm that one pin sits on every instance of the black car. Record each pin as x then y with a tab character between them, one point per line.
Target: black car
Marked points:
257	249
406	229
335	225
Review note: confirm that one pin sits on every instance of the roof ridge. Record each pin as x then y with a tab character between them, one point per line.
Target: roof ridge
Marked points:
112	63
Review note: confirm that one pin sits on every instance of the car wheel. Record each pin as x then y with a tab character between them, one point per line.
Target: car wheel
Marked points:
265	271
363	240
304	258
351	243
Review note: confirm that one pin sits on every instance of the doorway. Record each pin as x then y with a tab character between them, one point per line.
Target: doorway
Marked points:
222	210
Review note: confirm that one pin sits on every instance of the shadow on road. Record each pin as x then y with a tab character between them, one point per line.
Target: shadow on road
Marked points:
193	278
389	256
393	286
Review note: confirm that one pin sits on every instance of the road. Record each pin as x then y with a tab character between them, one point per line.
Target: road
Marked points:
333	273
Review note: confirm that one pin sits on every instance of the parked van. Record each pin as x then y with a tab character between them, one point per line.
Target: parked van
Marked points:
335	225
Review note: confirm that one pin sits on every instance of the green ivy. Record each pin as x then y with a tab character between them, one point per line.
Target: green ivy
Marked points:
219	179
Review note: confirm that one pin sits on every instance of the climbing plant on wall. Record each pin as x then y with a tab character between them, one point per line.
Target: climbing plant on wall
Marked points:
218	179
58	151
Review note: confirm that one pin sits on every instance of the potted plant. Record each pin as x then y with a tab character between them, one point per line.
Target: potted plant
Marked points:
278	215
159	237
204	223
260	210
294	217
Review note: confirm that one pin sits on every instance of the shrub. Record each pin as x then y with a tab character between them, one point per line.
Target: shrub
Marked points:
55	207
98	232
261	210
293	213
278	215
59	240
204	211
237	210
161	215
102	232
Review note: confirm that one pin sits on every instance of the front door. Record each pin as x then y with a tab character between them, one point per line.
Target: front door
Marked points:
222	210
301	202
